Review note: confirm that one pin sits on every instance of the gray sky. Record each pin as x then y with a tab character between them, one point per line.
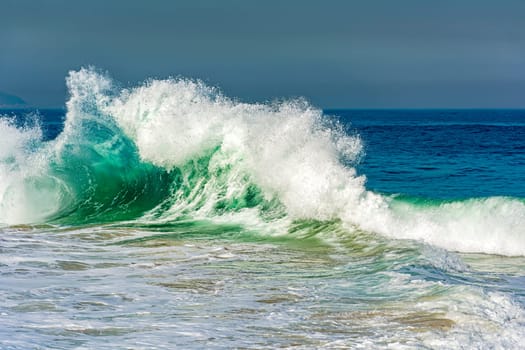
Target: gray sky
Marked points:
356	54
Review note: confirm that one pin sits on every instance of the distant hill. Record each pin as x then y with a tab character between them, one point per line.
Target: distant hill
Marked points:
10	101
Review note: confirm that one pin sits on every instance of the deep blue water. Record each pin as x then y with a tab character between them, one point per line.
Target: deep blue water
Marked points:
441	154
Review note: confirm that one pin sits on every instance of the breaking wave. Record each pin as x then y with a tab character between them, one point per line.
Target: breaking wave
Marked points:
176	149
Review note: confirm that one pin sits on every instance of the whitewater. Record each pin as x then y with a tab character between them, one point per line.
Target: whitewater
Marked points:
168	214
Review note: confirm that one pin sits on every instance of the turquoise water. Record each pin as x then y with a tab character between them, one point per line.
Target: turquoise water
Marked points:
170	216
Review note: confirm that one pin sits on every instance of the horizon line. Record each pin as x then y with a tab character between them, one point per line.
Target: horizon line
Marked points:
22	107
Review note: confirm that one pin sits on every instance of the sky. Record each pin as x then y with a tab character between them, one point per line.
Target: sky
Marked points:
336	54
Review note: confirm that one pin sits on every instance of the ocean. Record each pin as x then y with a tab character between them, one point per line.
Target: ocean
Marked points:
168	215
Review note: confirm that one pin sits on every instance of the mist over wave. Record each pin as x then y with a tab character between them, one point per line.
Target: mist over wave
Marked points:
174	149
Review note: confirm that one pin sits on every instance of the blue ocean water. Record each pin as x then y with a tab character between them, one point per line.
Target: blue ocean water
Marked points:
445	154
171	216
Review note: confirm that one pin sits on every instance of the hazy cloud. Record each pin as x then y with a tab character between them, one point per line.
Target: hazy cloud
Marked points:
376	53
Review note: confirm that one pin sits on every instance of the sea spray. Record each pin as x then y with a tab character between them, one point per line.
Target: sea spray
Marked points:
285	149
26	193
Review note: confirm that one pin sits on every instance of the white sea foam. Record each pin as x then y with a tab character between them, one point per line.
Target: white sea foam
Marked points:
19	163
483	320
